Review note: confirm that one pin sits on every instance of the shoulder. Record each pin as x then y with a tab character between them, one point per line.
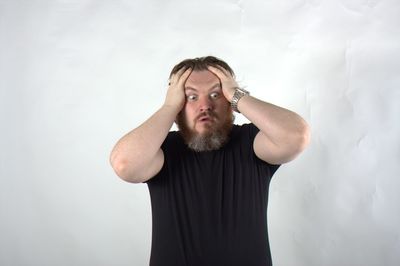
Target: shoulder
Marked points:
242	137
170	148
245	131
173	145
173	138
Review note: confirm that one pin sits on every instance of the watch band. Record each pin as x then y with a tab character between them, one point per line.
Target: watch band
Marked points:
239	93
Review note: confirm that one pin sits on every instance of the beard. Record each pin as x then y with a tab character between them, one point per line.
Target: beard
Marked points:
214	138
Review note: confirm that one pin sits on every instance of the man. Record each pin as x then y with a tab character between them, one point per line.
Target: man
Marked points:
209	181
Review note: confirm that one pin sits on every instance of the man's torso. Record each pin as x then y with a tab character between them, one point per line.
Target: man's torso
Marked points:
209	208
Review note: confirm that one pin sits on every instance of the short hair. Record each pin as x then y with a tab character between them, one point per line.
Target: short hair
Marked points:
201	63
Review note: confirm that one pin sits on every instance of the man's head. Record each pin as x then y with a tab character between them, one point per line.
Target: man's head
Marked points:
206	118
201	63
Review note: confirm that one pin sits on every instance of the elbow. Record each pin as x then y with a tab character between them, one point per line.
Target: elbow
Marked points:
125	171
303	137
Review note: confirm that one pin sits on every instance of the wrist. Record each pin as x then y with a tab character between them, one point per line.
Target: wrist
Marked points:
172	108
238	94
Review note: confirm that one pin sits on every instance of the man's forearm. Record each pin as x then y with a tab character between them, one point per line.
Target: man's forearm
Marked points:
284	129
134	152
137	156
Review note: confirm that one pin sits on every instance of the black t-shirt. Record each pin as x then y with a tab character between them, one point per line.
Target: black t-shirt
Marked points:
210	208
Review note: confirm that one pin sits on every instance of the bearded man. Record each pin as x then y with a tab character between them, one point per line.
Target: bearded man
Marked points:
209	181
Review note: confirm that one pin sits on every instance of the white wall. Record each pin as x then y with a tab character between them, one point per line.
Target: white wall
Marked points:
76	75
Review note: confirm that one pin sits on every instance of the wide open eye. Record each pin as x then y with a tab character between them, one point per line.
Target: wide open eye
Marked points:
191	97
214	95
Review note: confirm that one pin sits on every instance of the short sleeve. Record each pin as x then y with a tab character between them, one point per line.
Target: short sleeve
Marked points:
250	131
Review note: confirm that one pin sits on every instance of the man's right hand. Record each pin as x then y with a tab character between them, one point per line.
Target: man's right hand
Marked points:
176	91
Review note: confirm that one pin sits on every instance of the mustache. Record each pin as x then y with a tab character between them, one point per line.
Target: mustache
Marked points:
211	114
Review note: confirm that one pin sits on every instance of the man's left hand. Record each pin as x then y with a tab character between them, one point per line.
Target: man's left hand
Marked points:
228	82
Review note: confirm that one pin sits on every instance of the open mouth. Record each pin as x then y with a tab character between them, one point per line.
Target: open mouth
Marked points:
205	118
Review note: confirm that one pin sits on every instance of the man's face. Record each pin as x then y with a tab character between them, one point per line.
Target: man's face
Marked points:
207	115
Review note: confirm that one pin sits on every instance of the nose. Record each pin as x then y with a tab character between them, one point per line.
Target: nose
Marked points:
205	104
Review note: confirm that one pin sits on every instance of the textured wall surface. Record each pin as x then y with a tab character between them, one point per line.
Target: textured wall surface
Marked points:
76	75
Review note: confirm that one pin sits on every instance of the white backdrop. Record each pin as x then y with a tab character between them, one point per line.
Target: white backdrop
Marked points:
76	75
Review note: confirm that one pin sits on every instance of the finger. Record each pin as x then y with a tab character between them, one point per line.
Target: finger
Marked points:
181	71
175	77
219	69
184	76
219	72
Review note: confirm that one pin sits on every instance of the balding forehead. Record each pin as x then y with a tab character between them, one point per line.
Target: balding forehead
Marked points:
202	76
215	87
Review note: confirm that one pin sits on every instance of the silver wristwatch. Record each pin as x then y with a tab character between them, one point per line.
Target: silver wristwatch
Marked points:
239	93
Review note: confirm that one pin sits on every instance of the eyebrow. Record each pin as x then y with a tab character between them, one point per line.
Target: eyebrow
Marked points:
217	85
